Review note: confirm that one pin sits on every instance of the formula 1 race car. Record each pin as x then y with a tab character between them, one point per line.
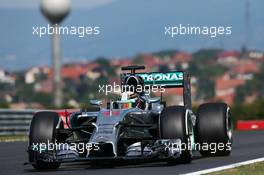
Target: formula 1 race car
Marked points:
135	127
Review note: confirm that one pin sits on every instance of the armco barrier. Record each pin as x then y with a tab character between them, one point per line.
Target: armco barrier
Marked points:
250	125
15	122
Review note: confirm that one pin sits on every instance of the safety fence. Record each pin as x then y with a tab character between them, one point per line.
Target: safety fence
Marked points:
15	122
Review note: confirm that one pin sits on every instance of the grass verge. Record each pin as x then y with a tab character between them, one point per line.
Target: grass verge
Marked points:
256	169
14	138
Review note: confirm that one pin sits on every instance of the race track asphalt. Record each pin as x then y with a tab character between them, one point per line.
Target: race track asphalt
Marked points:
247	145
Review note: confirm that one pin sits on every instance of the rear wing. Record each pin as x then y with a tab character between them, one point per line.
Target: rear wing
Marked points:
171	79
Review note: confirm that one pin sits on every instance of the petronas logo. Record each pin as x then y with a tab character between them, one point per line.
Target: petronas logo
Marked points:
169	78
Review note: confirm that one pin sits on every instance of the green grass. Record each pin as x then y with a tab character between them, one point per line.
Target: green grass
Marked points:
254	169
14	138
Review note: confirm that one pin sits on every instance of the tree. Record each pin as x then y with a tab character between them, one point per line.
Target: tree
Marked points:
252	86
204	56
204	67
104	64
165	53
4	104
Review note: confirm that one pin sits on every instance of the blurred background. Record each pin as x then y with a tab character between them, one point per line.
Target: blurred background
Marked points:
226	68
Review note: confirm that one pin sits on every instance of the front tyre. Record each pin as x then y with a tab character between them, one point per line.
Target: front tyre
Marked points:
42	130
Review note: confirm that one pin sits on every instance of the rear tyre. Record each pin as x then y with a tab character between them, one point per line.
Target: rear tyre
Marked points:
214	128
175	123
42	130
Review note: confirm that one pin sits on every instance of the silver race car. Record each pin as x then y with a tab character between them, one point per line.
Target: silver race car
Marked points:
135	127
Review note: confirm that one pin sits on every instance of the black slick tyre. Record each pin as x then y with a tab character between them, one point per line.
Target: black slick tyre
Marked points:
214	128
42	130
175	123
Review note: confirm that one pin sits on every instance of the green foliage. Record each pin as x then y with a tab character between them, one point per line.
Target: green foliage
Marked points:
43	98
206	88
256	169
104	63
137	60
69	90
213	71
248	111
25	93
4	104
206	55
209	72
203	67
164	53
66	106
41	77
6	87
252	86
85	105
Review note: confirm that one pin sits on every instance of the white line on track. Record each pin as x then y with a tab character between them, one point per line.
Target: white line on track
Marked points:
211	170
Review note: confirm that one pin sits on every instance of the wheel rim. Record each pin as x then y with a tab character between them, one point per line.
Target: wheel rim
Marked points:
191	139
190	134
229	126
